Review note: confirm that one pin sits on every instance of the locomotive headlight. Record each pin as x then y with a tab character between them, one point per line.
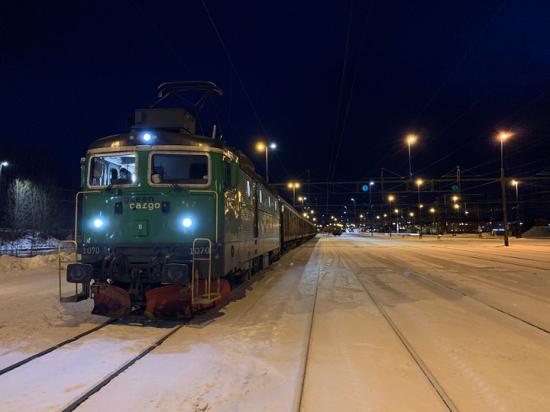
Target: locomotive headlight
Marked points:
147	137
98	223
187	222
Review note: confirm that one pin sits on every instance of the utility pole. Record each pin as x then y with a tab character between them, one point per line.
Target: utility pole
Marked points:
503	192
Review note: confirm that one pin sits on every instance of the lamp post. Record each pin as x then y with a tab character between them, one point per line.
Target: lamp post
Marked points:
432	211
354	211
293	186
302	199
503	136
515	183
396	221
2	165
456	206
261	147
391	198
419	182
411	139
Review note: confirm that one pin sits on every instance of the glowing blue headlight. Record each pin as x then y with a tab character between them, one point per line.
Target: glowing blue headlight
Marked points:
98	223
186	222
147	137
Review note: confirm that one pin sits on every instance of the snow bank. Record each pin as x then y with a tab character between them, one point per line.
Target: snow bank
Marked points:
11	263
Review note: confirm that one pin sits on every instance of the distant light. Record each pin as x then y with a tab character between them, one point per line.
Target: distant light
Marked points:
273	146
371	183
504	135
260	146
514	182
147	137
98	223
4	163
419	182
411	139
432	210
391	198
187	222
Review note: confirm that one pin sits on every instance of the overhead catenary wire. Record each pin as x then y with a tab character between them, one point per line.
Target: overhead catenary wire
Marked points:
233	67
341	88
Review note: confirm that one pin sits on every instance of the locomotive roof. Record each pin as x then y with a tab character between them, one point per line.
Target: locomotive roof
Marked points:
166	138
160	138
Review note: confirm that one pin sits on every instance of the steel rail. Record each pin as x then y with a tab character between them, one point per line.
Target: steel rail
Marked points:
54	347
463	294
298	401
445	398
98	386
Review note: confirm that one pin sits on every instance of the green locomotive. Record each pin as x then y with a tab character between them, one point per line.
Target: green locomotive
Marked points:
167	218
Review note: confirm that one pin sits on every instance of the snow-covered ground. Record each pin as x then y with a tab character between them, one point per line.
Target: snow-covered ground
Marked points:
356	323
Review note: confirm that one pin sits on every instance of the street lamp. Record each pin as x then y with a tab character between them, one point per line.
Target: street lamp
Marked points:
2	165
411	139
518	227
391	198
302	199
354	210
432	211
396	211
261	147
293	186
503	136
419	182
456	207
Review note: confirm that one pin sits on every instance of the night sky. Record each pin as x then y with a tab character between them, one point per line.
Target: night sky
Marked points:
453	72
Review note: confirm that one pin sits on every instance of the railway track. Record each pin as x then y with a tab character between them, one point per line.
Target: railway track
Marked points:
103	382
459	293
299	399
523	265
56	346
441	393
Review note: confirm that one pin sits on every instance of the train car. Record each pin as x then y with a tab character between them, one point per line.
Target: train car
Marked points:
168	218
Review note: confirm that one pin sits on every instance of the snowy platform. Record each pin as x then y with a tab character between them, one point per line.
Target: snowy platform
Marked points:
352	324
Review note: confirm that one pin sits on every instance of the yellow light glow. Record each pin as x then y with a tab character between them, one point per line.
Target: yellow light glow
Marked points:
432	210
419	182
260	146
456	206
503	136
385	215
391	198
411	139
361	216
300	198
455	198
411	214
514	182
396	210
420	205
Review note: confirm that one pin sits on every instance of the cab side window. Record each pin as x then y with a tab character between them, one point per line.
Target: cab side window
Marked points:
227	175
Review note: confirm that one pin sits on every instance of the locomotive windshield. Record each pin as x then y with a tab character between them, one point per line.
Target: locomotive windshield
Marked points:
115	169
182	168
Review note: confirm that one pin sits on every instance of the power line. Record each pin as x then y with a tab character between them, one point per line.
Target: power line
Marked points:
233	66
